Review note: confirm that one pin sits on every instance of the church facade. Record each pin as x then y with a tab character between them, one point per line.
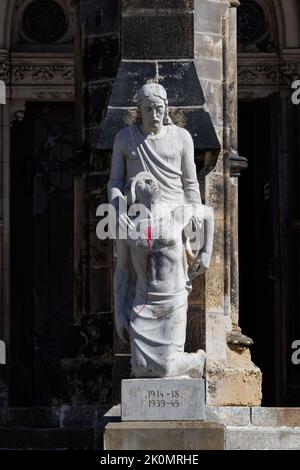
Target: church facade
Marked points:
72	69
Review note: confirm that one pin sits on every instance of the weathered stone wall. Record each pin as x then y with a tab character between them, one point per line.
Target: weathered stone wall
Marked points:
209	20
90	375
215	60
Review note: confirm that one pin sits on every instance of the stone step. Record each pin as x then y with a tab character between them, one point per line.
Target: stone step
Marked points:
262	438
55	417
65	438
258	416
164	435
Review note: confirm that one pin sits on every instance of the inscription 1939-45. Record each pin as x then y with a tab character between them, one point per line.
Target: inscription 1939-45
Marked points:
159	399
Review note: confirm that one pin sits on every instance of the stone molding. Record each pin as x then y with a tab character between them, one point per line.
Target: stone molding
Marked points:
237	164
33	72
268	74
42	74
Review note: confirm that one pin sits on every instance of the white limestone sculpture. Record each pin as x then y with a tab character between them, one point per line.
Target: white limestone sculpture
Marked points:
153	165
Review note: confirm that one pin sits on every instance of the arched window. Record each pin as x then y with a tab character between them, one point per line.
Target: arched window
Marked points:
44	21
251	21
253	27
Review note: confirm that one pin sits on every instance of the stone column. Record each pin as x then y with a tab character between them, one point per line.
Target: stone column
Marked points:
80	274
96	51
232	378
236	165
4	228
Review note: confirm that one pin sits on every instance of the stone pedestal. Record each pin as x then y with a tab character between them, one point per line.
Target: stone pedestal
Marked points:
178	399
163	414
236	381
164	436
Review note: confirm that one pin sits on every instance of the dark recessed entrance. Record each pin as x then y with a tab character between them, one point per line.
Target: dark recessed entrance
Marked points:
259	243
41	251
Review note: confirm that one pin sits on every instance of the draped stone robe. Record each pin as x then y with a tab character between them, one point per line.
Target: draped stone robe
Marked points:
169	157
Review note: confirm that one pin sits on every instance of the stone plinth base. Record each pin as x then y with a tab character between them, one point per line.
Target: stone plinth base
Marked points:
164	436
236	382
178	399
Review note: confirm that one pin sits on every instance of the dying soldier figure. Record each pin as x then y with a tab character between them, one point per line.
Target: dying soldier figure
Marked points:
151	302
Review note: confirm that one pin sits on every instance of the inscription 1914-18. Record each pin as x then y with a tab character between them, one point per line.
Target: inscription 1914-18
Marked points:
159	399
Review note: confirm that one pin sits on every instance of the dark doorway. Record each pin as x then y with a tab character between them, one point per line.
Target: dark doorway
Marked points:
259	242
41	251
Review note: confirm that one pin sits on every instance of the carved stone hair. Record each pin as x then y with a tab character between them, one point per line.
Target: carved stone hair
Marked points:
153	89
134	182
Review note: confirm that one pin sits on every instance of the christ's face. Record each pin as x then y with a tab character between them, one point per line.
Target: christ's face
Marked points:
153	111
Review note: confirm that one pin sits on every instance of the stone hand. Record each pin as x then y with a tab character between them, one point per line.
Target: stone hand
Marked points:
204	260
202	264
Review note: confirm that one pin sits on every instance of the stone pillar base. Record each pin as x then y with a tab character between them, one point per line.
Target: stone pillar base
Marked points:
235	382
168	435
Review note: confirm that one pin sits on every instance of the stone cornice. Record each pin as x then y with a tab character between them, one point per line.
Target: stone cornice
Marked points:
38	71
265	73
45	74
